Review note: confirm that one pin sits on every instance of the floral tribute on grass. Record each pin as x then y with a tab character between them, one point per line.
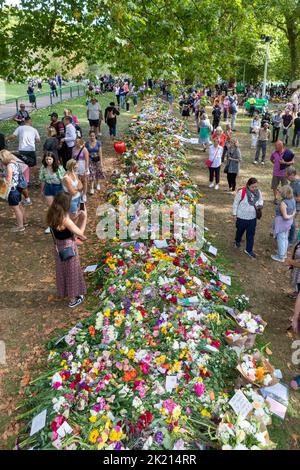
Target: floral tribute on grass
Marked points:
151	368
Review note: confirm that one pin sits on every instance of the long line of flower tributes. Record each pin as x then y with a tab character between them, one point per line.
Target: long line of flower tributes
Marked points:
149	370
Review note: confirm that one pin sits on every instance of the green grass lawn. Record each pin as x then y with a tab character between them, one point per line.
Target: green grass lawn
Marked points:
11	91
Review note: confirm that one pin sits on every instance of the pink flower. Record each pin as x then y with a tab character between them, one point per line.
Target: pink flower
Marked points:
145	368
199	389
169	405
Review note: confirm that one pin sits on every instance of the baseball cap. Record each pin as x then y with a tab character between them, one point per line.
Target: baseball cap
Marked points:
53	115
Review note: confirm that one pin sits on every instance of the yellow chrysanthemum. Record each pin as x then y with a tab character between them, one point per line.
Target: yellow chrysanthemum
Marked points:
93	436
93	419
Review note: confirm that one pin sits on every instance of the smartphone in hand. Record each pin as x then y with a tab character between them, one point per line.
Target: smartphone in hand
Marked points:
82	206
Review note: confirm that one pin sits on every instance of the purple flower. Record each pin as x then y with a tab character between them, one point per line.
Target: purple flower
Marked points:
159	437
118	445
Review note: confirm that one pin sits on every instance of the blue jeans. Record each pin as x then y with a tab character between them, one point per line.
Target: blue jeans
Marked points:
261	145
282	244
249	227
113	130
122	101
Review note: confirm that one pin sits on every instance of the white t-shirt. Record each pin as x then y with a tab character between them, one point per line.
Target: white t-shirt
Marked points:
93	110
215	155
27	136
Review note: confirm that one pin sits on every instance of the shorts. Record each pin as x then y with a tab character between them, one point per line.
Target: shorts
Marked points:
52	189
94	122
276	180
74	206
14	197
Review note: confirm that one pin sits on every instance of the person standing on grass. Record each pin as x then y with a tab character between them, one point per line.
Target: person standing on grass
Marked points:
287	122
276	124
279	174
69	278
81	155
233	111
284	215
13	175
294	181
31	95
254	130
21	115
247	204
68	140
215	157
110	117
217	114
51	175
233	164
262	141
94	148
58	125
93	114
296	137
73	186
51	143
229	136
226	107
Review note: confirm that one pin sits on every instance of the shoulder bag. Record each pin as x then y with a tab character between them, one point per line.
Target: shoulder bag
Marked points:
65	253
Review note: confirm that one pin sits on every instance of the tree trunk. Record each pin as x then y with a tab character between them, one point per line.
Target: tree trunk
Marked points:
292	35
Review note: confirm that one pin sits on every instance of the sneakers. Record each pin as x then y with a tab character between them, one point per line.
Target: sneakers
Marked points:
236	245
84	198
255	162
47	230
92	191
76	302
277	258
98	187
17	229
251	254
211	185
262	163
27	202
217	186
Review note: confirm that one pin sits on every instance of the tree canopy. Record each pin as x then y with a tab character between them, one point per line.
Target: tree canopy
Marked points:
187	39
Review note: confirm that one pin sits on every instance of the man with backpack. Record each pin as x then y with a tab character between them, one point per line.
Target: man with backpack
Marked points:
110	117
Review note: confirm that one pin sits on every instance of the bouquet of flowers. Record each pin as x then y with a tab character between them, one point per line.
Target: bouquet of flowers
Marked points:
256	369
253	324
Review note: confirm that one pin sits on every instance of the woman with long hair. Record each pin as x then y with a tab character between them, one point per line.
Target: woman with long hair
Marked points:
51	143
81	155
51	175
69	278
94	148
13	178
72	185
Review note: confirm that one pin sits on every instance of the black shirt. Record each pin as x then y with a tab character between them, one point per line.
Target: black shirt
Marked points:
297	124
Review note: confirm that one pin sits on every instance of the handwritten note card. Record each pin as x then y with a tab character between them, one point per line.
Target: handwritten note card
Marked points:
225	279
213	250
240	404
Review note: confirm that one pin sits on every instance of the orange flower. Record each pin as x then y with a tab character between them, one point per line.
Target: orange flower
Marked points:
130	375
260	373
92	330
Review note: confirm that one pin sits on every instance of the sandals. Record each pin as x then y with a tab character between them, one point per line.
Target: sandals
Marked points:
295	383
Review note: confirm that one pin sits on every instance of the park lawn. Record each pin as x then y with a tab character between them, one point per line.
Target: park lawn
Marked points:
41	119
9	91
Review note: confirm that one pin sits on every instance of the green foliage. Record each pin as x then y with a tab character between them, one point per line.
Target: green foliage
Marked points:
187	39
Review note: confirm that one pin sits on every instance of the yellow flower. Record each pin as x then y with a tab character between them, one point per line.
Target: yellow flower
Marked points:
204	412
106	313
131	354
115	436
104	436
93	419
164	330
128	283
176	412
176	429
63	362
93	436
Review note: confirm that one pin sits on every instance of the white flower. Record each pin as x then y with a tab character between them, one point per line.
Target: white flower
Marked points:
137	402
226	447
240	447
99	321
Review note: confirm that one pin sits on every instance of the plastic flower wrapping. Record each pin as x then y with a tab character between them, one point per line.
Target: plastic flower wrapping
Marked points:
252	323
150	369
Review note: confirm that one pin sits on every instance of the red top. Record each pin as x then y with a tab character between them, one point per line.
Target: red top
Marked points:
222	138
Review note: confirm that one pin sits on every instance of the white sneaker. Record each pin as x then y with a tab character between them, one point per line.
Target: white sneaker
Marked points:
92	191
27	202
47	230
255	162
211	185
98	187
217	186
277	258
84	198
262	163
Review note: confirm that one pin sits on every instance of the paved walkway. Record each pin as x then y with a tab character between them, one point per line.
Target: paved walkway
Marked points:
8	110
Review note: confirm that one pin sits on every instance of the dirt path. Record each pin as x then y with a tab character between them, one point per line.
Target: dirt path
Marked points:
263	280
30	313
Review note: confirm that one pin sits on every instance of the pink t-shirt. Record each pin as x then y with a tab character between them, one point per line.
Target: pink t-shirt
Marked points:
276	157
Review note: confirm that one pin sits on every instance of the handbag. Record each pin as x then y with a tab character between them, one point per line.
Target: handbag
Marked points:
226	168
258	212
209	162
65	253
